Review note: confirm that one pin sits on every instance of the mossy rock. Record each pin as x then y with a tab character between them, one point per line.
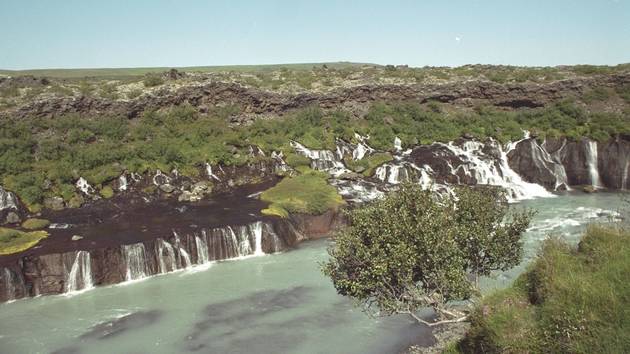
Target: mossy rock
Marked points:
35	224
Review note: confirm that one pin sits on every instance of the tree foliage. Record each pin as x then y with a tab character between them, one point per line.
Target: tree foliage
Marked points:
411	250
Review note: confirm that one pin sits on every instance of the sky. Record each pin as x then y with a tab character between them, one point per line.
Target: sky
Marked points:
148	33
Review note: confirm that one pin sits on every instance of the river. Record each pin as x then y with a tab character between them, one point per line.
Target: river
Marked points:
277	303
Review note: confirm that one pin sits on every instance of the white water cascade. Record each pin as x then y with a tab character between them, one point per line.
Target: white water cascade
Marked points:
256	229
135	257
9	284
166	257
487	170
322	160
591	161
202	248
80	275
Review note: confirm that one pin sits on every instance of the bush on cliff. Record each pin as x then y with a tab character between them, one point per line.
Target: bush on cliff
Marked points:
410	251
307	193
571	300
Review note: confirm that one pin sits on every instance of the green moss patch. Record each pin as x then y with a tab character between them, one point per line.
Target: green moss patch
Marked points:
307	193
35	224
14	241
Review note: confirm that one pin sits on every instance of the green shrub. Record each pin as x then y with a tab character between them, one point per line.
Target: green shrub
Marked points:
35	224
152	80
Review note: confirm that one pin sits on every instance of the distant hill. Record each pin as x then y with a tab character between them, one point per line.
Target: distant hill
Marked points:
126	72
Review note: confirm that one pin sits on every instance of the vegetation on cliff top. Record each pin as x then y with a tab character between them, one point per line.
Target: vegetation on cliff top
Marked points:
571	300
15	241
43	157
410	251
307	193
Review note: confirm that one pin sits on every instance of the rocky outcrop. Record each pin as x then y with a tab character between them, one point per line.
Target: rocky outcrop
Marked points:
254	102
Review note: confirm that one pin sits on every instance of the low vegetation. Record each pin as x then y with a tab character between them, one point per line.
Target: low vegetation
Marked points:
306	193
410	251
43	157
571	300
15	241
35	224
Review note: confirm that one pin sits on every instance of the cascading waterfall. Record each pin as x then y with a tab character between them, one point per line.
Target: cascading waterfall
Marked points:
624	174
256	229
136	260
80	275
322	160
9	284
166	256
485	170
202	248
558	169
591	161
184	257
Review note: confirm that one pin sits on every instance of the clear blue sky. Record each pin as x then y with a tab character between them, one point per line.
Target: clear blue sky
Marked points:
128	33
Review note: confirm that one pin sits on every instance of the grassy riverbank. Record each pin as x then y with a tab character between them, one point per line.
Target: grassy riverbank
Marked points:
571	300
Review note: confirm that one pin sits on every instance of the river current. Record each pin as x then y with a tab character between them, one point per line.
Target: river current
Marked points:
278	303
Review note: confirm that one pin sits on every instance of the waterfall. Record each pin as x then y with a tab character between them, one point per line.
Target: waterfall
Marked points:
186	257
322	160
392	173
166	253
80	276
9	284
494	170
123	184
202	248
624	174
256	229
135	257
210	174
540	154
591	161
397	144
244	243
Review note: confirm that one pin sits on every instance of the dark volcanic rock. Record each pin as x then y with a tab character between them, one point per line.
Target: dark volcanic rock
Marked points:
614	163
260	102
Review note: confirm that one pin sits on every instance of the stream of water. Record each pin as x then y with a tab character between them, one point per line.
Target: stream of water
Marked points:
278	303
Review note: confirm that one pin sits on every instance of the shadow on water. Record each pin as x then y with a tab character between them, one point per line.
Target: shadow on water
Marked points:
130	322
273	321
